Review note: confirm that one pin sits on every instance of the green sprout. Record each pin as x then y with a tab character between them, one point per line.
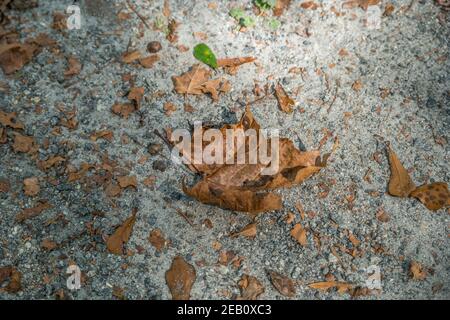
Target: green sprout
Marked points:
265	4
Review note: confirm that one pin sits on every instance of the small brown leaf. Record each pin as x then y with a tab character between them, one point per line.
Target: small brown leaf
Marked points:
251	288
49	244
197	81
127	181
382	215
326	285
400	183
417	271
10	273
14	56
180	278
434	196
23	144
33	212
157	239
123	109
283	284
299	233
4	185
149	61
169	108
248	231
280	6
121	236
136	94
74	67
102	134
9	120
357	85
129	57
31	186
285	102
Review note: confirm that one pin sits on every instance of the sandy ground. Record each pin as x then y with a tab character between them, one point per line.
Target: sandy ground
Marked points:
403	69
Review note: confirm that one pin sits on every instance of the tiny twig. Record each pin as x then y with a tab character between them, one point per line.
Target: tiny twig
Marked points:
138	14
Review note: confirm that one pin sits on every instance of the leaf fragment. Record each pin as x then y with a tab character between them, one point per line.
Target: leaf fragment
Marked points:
180	279
283	284
121	235
248	231
300	234
251	288
400	183
285	102
434	196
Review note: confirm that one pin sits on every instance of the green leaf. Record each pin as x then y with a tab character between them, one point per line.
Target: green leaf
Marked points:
237	13
204	54
265	4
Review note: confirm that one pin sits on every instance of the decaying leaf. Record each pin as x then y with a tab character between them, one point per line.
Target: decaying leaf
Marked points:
74	67
280	7
130	57
127	181
251	288
342	287
417	271
231	65
9	120
123	109
4	185
248	231
48	244
157	239
102	134
121	236
285	102
180	278
283	284
14	277
434	196
33	212
31	186
363	4
299	233
400	183
197	81
136	94
23	143
243	187
148	62
13	56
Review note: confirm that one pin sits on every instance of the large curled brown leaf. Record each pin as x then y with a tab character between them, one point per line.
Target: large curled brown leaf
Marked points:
197	81
180	278
243	187
121	236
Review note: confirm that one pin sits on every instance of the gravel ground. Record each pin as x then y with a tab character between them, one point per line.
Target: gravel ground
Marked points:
403	97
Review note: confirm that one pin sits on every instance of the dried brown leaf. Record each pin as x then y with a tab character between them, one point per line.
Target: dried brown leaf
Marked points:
251	288
248	231
300	234
33	212
121	236
31	186
180	278
417	271
285	102
434	196
400	183
9	120
283	284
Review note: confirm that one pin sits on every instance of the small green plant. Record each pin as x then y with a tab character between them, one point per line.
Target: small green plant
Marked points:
265	4
204	54
242	18
273	24
161	25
